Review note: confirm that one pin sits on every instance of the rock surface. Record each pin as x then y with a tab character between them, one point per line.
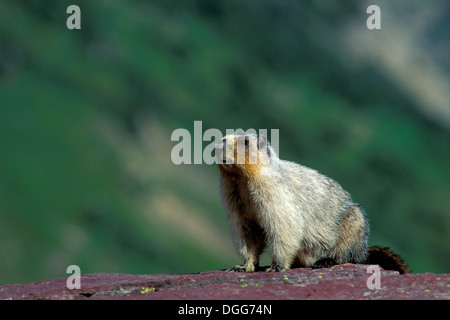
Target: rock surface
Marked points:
346	281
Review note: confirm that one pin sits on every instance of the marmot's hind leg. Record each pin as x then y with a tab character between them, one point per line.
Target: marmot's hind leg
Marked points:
324	263
352	243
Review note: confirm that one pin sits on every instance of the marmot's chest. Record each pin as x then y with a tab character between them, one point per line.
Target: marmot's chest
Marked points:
246	202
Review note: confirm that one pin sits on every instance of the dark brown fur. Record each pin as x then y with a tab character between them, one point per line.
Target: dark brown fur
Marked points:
386	259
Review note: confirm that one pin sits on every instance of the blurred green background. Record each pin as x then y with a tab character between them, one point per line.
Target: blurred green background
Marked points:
86	118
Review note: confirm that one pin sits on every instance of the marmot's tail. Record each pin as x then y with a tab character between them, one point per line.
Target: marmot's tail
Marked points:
386	259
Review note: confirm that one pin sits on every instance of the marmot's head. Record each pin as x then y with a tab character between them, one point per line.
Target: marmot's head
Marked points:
243	153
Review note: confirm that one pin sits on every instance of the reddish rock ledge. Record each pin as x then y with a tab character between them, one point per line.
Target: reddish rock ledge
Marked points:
346	281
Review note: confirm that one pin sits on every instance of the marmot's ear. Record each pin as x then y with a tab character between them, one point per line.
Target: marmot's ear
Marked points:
262	142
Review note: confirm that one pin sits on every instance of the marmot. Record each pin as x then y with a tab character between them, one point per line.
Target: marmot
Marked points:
306	218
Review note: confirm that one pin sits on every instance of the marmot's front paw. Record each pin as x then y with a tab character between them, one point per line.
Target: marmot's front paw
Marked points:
243	269
276	268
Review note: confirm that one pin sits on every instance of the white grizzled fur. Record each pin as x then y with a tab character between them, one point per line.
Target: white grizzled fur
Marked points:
301	214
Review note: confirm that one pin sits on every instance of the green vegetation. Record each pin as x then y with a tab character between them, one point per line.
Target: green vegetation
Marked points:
86	118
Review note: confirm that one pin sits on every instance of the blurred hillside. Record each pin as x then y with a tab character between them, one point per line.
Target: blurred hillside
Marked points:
86	118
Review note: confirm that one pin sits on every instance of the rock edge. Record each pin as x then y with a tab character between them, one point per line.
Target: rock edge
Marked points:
347	281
